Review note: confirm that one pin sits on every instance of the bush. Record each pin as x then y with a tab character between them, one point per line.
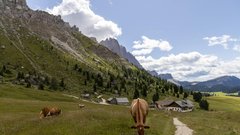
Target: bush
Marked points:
155	97
197	96
54	84
41	86
136	94
204	104
185	95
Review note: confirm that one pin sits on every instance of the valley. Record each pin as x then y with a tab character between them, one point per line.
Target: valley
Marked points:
46	61
20	107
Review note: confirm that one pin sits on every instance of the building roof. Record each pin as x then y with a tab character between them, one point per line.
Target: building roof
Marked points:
185	103
86	95
122	100
164	102
109	99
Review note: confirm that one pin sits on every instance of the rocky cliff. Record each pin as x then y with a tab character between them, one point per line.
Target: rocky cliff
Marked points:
114	46
13	4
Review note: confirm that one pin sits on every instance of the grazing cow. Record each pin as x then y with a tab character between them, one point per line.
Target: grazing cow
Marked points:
81	105
139	111
47	111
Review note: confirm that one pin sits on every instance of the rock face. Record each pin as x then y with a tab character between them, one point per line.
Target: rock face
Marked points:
153	73
224	83
165	76
114	46
13	4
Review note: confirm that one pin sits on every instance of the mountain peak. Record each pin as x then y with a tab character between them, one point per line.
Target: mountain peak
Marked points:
113	45
13	4
166	76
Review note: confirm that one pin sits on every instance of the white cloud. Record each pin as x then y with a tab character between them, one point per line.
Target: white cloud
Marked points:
192	66
79	13
236	48
142	52
223	40
110	2
147	45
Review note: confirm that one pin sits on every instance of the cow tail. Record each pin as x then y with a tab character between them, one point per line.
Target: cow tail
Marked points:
40	114
138	110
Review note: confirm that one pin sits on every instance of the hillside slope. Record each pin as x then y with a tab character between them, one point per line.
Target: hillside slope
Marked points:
224	83
42	51
94	119
115	47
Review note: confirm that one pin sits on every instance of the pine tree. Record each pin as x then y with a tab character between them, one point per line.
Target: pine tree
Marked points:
41	86
181	90
85	82
54	84
163	90
204	104
197	96
46	80
144	92
29	85
94	87
20	75
1	72
4	68
62	83
185	95
75	67
155	97
136	94
175	88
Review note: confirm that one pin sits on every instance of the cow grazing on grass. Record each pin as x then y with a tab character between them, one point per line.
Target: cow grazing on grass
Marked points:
49	111
81	105
139	111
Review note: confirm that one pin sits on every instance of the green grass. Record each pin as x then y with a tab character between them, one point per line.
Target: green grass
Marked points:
20	107
222	119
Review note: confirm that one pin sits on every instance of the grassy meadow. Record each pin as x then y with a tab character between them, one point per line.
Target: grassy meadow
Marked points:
20	107
222	119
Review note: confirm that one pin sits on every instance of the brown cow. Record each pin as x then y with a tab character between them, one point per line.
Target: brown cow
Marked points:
47	111
81	105
139	111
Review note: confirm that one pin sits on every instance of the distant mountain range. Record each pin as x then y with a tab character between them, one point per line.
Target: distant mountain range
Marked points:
114	46
224	83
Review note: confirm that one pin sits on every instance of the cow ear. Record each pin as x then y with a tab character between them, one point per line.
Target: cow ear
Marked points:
146	127
133	127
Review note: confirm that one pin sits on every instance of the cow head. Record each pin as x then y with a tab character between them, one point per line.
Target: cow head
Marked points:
140	129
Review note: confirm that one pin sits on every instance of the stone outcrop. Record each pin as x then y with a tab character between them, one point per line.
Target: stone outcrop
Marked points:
114	46
13	4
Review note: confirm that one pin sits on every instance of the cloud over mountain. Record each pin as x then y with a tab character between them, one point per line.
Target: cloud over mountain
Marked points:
79	13
223	40
192	66
147	45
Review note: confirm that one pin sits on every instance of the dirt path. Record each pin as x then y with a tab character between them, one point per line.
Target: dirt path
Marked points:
104	102
182	129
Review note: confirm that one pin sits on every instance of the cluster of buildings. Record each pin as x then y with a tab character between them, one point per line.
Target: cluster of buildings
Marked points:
179	106
169	105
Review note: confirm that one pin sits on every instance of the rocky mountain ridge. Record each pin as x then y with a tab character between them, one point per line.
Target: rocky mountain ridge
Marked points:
40	43
13	4
223	83
115	47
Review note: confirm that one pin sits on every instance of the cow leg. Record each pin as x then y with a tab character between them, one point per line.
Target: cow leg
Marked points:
135	119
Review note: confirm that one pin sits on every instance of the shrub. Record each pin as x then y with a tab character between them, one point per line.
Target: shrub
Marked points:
204	104
197	96
185	95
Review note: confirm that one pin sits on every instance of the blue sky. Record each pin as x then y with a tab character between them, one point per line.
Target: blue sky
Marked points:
204	35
